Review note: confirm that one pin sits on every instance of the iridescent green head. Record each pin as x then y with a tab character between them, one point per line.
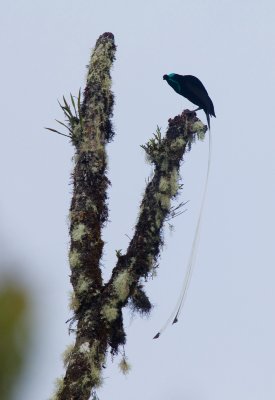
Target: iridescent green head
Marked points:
169	76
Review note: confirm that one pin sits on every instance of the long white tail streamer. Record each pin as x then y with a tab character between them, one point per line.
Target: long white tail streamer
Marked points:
192	258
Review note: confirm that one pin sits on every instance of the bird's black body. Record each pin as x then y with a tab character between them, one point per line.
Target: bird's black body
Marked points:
191	87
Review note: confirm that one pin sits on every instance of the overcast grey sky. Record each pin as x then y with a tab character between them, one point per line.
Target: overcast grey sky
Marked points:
224	344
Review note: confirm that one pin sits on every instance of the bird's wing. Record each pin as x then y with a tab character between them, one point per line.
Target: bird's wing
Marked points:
193	89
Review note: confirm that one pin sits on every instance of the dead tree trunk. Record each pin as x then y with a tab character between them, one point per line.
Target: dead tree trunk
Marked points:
97	306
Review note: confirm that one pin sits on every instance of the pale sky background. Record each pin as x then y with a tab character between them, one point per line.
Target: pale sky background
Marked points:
223	347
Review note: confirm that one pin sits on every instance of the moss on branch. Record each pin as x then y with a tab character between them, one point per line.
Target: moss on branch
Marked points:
143	251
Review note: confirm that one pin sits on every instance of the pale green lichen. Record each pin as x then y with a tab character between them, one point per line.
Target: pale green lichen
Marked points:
163	184
87	318
110	312
122	284
164	165
84	347
73	301
164	200
178	143
82	285
98	75
124	366
201	135
199	128
158	218
67	354
59	385
86	380
78	232
90	205
100	61
96	376
90	144
86	144
174	181
74	258
169	185
106	83
77	133
94	349
95	353
97	121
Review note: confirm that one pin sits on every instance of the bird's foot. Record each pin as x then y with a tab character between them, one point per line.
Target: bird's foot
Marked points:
192	111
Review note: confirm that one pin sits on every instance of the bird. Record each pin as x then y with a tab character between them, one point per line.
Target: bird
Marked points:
192	89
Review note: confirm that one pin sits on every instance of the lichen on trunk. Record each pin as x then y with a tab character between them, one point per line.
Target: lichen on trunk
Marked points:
88	214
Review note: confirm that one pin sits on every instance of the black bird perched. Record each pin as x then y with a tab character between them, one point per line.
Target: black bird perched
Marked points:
191	87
